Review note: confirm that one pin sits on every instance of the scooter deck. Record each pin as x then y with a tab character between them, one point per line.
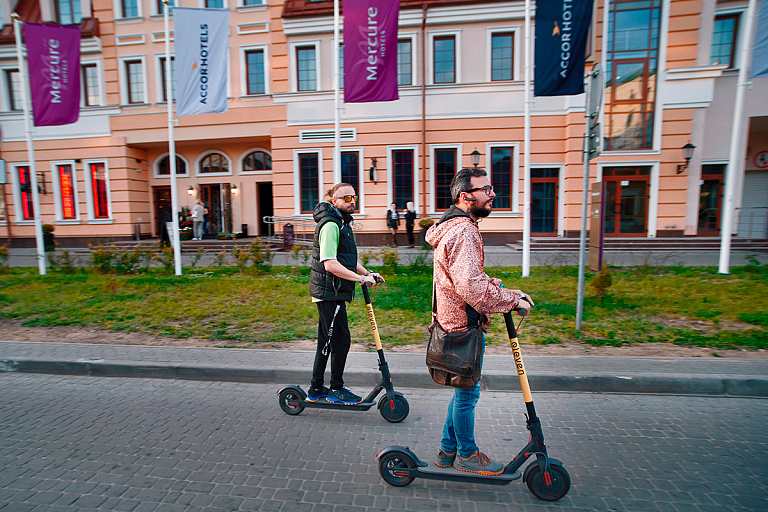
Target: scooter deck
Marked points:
325	404
433	472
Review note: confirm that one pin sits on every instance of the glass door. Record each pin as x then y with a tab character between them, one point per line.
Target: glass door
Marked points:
626	200
710	199
162	208
544	202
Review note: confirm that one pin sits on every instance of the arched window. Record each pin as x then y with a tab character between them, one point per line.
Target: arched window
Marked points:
215	163
163	167
257	161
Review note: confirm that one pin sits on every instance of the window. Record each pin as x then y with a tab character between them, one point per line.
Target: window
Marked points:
306	68
163	88
163	166
130	8
544	201
66	191
13	82
134	75
91	91
444	59
350	168
254	65
68	12
404	62
215	163
99	190
631	71
247	3
214	4
502	176
257	161
724	40
445	170
341	66
402	170
502	52
159	7
308	173
25	185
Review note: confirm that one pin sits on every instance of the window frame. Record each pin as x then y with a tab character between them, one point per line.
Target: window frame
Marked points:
204	5
360	189
294	60
84	85
160	78
297	178
90	199
245	155
58	198
391	173
18	211
119	9
156	167
433	148
515	32
244	50
514	192
735	40
9	96
456	35
414	53
72	15
124	79
203	156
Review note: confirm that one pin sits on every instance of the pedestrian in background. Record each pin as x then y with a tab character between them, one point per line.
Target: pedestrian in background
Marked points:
198	219
410	218
393	221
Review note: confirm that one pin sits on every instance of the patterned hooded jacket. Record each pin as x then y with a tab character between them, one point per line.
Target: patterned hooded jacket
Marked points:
459	277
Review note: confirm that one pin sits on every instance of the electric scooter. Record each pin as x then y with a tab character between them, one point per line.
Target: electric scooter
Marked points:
546	477
393	406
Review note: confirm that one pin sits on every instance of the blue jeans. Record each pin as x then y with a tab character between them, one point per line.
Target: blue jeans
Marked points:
459	428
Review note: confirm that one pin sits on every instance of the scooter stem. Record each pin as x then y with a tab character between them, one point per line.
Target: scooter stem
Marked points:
516	351
372	318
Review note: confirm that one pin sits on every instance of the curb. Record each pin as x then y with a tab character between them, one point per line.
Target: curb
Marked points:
690	384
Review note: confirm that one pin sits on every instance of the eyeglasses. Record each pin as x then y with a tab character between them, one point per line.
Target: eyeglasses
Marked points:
348	199
487	189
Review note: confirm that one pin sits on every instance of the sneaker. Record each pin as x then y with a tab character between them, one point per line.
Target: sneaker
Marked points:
444	459
315	394
478	463
343	396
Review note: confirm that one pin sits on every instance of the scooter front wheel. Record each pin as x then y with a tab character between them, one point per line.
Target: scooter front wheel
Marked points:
394	412
561	482
391	463
290	401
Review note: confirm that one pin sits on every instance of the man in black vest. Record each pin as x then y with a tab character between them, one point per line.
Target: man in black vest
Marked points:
335	270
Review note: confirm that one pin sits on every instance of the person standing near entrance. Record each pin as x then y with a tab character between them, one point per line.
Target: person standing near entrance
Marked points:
334	273
410	218
393	221
198	218
465	295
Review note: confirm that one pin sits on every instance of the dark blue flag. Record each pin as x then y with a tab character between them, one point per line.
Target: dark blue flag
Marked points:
562	30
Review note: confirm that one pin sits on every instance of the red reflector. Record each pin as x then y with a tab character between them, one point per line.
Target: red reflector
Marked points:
377	455
293	403
547	479
392	404
401	474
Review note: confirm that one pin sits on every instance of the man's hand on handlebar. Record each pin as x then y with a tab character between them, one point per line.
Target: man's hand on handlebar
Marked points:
372	279
524	303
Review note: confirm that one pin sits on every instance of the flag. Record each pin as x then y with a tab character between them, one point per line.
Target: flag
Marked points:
370	50
760	52
562	30
53	56
201	41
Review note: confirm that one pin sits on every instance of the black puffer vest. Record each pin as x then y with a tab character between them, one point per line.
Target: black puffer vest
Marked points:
324	285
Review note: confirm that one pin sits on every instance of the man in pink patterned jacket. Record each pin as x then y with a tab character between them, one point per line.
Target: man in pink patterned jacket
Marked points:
466	295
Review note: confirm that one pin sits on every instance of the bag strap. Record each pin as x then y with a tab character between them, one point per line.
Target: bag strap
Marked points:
434	301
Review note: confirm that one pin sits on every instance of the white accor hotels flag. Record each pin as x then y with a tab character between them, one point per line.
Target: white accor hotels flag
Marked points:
201	41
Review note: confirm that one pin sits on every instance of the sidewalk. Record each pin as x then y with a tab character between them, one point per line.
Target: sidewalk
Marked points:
604	374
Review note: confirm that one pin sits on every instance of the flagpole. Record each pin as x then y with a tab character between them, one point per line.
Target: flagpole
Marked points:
526	270
41	258
336	97
736	154
175	240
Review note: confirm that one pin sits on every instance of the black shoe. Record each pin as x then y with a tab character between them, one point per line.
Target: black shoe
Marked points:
343	396
315	394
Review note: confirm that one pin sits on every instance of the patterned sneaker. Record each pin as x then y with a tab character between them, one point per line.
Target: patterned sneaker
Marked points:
315	394
444	459
478	463
343	396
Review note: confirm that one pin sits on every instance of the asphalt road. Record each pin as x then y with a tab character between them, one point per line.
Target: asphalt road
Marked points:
116	444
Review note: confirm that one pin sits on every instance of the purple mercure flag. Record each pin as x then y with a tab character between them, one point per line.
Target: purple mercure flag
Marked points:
370	50
53	56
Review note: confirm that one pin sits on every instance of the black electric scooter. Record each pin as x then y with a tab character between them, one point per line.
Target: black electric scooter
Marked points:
393	406
547	479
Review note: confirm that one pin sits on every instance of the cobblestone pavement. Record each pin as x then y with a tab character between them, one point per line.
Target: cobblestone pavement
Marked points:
114	444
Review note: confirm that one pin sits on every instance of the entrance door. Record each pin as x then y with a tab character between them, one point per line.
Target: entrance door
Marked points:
753	217
544	202
163	209
710	199
211	197
626	200
266	207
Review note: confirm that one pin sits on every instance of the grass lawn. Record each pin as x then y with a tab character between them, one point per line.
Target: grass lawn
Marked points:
682	305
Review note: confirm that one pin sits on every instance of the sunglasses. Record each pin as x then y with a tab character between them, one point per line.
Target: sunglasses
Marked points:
348	199
487	189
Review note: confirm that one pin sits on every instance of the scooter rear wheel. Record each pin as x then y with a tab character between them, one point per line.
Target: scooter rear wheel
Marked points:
289	401
396	415
561	482
390	463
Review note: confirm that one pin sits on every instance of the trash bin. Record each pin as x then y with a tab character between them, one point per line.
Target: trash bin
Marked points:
244	230
288	237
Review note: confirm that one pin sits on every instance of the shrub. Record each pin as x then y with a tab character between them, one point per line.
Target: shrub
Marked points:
389	259
426	222
102	258
165	257
197	256
261	254
4	256
64	261
601	282
48	229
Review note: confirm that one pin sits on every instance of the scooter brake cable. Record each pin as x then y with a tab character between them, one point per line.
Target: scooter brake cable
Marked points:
521	323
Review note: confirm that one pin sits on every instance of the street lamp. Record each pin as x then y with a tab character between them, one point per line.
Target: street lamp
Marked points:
191	190
687	154
475	156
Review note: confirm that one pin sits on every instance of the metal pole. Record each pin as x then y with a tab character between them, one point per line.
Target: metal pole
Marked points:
584	209
336	98
736	154
526	269
176	242
41	259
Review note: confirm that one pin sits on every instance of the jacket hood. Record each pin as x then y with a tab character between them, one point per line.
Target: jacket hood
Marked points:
325	209
450	218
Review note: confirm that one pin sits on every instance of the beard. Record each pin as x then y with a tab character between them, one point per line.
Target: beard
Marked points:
481	211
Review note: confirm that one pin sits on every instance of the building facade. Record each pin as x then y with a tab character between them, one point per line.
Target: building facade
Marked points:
670	72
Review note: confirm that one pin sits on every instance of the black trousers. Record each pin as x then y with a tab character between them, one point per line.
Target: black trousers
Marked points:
409	230
340	343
